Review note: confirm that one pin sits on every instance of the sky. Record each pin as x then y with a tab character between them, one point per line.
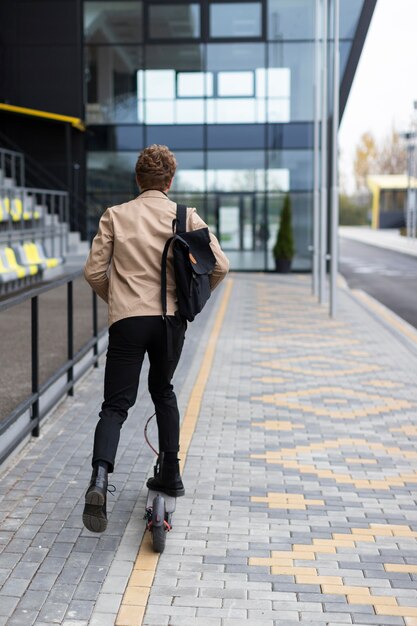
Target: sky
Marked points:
385	85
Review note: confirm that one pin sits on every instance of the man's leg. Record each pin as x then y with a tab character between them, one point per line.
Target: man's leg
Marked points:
161	371
121	379
124	361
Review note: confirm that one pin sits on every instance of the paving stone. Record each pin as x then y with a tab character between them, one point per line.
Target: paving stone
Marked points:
315	399
32	600
7	604
80	610
15	587
53	612
23	617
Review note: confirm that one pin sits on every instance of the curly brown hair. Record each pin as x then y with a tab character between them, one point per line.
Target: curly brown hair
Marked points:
155	167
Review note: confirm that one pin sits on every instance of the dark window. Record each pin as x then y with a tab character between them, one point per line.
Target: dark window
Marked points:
236	19
113	22
174	21
291	19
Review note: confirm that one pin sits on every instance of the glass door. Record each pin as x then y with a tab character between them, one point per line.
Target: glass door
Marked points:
239	225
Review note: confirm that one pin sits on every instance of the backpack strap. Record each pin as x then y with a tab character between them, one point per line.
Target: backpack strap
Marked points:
164	276
181	224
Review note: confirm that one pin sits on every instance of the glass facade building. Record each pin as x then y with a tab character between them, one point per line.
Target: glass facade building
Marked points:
230	88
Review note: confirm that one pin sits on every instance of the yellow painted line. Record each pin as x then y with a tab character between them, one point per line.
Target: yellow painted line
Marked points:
389	317
76	122
135	598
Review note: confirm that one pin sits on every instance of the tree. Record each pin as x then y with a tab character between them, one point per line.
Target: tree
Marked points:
388	157
365	160
392	158
284	246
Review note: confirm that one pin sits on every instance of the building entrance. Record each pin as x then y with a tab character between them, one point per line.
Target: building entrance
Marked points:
241	228
236	220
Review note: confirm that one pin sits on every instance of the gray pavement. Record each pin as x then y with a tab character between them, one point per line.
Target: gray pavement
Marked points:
388	276
387	238
301	482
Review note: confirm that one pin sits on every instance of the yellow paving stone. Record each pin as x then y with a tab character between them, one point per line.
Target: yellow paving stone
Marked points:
350	459
146	561
136	595
324	549
141	578
293	571
358	598
384	601
408	430
260	560
356	537
399	567
342	590
411	621
270	379
405	533
290	400
277	425
130	616
402	611
346	367
381	532
305	556
389	384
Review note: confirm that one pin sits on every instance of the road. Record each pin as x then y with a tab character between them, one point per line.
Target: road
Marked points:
390	277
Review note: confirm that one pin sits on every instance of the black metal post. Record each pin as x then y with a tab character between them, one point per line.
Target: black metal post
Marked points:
35	363
95	329
70	335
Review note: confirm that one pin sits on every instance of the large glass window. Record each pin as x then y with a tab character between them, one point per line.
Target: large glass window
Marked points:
194	84
239	75
111	75
290	169
191	173
291	19
174	21
350	11
111	22
172	70
236	19
235	171
292	91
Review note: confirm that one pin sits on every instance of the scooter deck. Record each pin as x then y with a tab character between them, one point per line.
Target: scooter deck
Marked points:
170	501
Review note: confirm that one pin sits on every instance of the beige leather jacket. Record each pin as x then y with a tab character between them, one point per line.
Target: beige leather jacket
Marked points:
124	264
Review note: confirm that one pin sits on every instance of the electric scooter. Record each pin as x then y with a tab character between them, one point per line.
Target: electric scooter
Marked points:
159	507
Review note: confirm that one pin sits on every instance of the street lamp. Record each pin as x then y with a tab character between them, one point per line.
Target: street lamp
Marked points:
411	207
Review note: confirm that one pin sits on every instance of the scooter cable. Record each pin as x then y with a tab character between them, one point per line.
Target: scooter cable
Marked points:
145	432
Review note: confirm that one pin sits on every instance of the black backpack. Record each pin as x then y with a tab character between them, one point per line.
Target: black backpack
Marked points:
193	263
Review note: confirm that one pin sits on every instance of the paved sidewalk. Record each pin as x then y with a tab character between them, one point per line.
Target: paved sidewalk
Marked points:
300	475
388	238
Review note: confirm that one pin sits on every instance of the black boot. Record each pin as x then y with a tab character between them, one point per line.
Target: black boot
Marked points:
167	478
95	513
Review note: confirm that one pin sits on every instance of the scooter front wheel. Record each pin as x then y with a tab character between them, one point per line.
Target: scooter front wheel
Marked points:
158	524
158	538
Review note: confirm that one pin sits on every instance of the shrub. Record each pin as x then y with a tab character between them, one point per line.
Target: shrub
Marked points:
284	246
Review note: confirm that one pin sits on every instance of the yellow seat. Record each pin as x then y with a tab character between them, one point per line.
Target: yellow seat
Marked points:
50	261
14	265
3	211
16	211
32	253
6	274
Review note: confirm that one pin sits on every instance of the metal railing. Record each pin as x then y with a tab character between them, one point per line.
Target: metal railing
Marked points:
68	374
12	166
35	213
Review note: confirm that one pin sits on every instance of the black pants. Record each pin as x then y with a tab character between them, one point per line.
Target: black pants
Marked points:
129	340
